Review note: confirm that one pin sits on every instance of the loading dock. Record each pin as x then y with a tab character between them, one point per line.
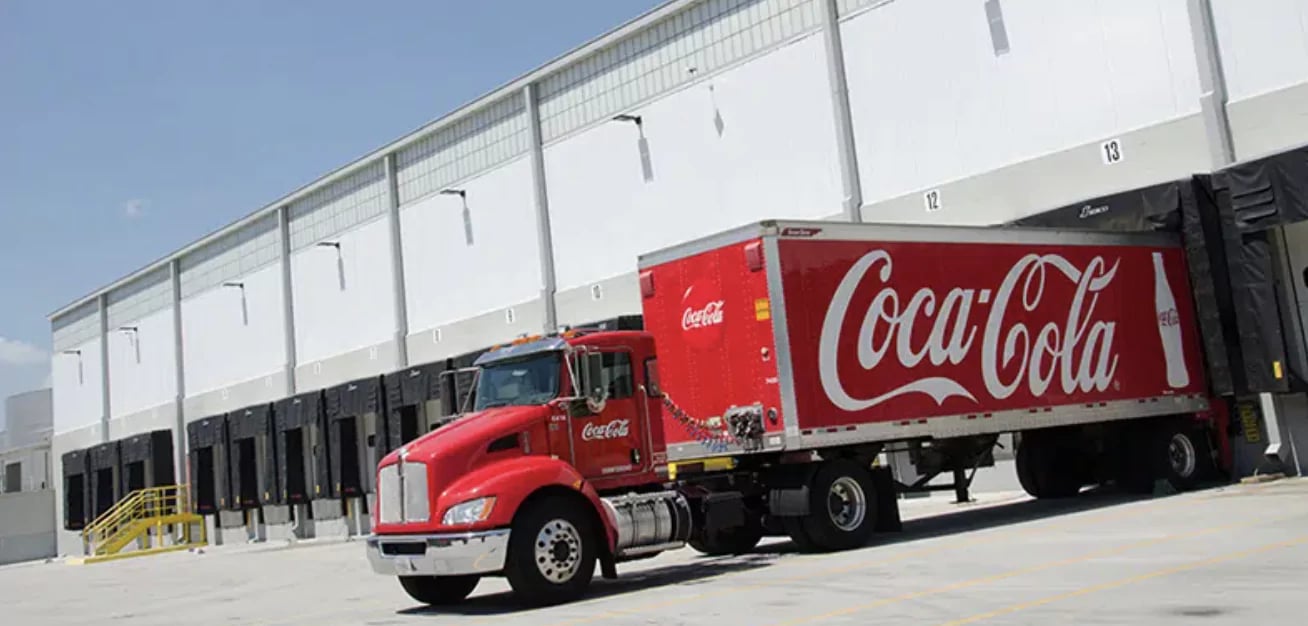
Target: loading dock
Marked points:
206	442
147	461
413	403
253	456
302	472
252	451
355	429
77	492
103	471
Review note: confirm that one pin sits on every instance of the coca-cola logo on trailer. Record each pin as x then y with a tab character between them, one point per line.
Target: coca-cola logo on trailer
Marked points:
703	314
930	329
616	429
709	315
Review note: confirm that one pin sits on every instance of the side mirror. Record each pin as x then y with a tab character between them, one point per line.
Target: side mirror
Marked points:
591	373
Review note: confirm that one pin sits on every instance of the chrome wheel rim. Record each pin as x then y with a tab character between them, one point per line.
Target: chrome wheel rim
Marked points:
558	551
1181	455
846	504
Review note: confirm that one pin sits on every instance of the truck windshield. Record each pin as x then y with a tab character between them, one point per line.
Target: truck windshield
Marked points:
520	382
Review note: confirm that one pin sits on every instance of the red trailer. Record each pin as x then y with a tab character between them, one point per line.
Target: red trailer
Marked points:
790	355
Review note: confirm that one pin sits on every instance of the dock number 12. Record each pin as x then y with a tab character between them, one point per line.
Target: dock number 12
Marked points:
932	200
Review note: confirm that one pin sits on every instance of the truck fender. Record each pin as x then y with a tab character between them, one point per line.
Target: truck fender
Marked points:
513	481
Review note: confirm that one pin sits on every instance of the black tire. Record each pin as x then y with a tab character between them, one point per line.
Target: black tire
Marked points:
842	506
1186	454
794	527
566	537
738	540
439	590
1136	464
1047	469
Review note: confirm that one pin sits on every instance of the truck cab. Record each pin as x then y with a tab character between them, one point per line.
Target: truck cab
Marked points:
555	423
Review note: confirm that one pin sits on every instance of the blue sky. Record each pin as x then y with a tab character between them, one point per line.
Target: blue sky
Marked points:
130	128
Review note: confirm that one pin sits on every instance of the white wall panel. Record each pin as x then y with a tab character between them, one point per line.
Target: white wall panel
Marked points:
343	299
1264	45
141	364
709	36
232	335
448	280
775	157
78	399
476	143
932	101
338	207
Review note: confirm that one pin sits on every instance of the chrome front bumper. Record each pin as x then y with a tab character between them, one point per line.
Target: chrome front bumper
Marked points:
438	555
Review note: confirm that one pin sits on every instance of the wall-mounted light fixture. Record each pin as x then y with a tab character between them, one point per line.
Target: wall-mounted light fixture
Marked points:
642	144
134	336
245	311
467	215
627	117
340	261
719	124
78	353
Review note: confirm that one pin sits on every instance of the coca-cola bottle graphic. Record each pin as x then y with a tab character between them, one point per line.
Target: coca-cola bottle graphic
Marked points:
1169	327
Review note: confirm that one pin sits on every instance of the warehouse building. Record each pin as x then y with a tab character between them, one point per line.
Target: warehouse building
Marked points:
271	363
27	495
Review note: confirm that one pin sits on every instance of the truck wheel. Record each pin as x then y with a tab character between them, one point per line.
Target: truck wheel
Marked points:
794	527
439	590
552	552
738	540
842	506
1045	469
1136	459
1187	453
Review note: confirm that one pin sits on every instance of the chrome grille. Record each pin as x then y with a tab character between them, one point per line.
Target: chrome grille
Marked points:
402	493
389	495
414	479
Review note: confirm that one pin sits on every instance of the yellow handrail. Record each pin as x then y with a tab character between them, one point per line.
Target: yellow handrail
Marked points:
120	524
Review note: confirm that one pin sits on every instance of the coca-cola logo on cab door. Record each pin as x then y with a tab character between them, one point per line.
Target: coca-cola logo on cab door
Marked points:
615	429
930	329
703	313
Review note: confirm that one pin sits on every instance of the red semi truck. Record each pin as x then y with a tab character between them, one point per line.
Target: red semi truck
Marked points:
790	355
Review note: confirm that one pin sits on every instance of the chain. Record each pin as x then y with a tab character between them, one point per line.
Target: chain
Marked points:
717	443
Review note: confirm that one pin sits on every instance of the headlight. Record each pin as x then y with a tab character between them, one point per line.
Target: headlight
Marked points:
468	512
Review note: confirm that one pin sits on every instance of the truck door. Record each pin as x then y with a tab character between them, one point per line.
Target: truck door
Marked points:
612	443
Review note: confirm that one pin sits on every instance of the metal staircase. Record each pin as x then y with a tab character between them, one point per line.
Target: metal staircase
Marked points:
155	520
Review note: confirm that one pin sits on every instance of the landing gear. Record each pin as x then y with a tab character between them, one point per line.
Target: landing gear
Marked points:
439	590
552	552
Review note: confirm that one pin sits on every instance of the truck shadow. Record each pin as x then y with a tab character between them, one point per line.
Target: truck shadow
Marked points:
702	569
683	574
963	519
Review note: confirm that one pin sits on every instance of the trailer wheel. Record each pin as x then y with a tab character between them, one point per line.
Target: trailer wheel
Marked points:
794	527
552	552
842	506
738	540
1186	452
1047	469
439	590
1137	460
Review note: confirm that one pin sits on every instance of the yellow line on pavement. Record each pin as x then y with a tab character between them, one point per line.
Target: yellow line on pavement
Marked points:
1229	556
1030	570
